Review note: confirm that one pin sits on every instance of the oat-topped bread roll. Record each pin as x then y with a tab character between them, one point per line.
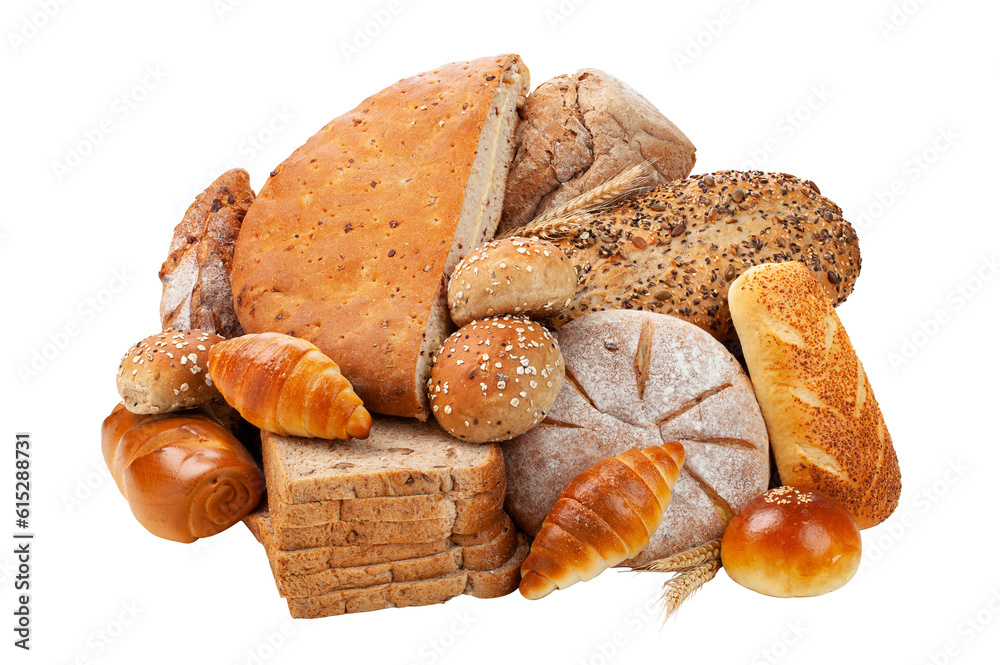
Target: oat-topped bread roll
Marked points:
579	130
167	372
677	249
826	428
196	274
634	380
349	243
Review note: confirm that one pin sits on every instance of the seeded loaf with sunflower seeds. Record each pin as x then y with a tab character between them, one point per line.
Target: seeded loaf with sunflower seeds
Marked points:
677	249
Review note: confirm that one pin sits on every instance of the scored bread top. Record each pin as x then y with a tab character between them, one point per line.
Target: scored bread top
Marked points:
826	428
676	249
349	241
400	457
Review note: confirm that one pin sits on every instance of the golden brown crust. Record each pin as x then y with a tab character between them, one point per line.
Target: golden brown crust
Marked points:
349	240
287	386
791	543
184	475
167	372
677	249
826	429
196	275
603	516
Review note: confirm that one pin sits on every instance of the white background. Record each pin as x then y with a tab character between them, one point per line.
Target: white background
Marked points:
889	106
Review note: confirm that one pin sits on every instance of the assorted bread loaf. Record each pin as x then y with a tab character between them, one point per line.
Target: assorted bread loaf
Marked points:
579	130
633	380
184	475
350	241
409	516
826	429
580	389
196	275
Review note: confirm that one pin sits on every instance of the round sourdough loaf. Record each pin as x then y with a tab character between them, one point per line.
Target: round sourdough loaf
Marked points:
633	380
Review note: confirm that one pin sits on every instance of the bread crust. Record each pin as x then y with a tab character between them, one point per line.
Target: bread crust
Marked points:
579	130
635	380
167	372
826	428
349	242
196	275
677	249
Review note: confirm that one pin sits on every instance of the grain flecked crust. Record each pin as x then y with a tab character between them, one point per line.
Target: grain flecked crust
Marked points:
349	241
167	372
677	249
196	275
495	378
523	276
826	428
695	393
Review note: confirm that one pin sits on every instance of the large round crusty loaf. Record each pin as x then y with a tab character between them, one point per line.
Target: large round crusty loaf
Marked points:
677	249
576	132
634	380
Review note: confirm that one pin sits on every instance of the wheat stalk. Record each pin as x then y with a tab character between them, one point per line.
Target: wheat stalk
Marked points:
568	218
680	587
684	560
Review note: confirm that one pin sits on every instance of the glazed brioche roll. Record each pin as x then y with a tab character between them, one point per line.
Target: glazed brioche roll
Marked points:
184	475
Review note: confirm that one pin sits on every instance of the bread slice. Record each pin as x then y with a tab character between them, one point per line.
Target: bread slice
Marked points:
350	241
471	512
826	429
481	584
400	457
362	533
484	557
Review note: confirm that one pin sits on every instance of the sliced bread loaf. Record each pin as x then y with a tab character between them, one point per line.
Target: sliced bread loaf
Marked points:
400	457
481	584
485	557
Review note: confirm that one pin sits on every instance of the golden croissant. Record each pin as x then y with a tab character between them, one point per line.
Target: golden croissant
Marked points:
602	517
286	385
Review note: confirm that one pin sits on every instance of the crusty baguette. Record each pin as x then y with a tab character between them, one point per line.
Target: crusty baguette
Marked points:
196	275
349	242
184	475
286	385
827	431
677	249
603	516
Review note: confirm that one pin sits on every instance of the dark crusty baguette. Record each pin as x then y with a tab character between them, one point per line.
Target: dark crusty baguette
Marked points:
576	132
677	249
826	429
196	275
351	239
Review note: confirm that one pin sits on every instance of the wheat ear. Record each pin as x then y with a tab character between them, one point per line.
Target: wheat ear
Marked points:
575	213
686	559
680	587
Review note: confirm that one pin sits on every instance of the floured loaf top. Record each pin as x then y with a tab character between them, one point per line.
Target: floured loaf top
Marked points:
637	379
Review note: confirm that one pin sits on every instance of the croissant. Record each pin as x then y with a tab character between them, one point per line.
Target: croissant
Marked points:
184	475
286	385
602	517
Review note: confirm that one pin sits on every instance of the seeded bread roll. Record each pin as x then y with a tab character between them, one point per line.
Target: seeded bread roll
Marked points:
495	379
677	249
167	372
525	276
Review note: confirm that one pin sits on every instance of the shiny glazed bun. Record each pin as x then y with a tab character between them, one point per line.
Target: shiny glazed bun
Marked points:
789	542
